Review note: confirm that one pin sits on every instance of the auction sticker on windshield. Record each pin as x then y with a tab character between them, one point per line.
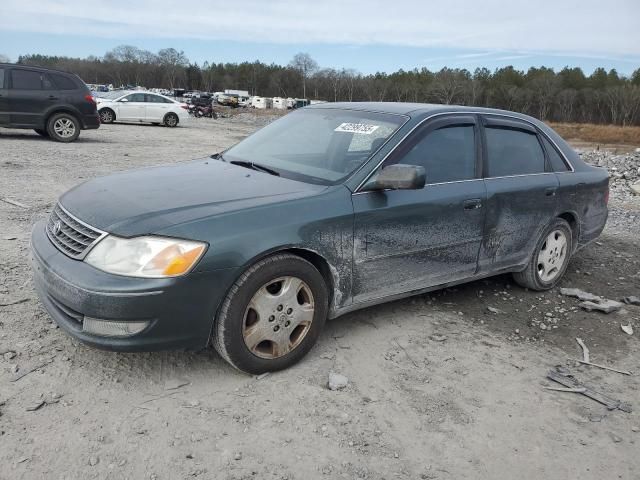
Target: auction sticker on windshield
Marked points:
361	128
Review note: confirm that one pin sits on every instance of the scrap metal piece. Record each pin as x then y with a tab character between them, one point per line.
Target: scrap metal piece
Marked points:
570	381
585	350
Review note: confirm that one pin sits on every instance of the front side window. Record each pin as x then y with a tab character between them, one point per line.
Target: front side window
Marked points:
1	78
318	145
447	154
135	97
26	80
511	151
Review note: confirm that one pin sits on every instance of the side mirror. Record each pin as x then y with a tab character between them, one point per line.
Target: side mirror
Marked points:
397	177
124	100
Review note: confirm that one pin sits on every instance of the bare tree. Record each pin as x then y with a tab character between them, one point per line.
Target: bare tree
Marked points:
174	62
306	66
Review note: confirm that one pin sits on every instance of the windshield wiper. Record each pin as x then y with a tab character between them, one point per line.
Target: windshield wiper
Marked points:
255	166
217	156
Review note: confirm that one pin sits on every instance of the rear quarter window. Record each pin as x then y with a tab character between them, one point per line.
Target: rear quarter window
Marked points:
1	77
557	163
63	82
512	151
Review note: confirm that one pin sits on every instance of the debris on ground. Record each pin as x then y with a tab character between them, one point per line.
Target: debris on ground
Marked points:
35	406
436	337
494	310
174	384
585	350
628	329
570	381
606	306
631	300
580	294
262	375
337	381
13	302
14	203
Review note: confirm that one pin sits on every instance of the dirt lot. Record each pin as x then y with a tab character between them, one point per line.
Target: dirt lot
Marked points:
439	387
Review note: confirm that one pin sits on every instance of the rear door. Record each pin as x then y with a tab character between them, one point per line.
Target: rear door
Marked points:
521	192
29	98
133	109
4	97
156	107
407	240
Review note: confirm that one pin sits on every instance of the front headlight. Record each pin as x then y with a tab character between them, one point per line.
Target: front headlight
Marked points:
152	257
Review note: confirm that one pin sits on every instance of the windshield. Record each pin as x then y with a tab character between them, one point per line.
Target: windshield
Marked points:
317	145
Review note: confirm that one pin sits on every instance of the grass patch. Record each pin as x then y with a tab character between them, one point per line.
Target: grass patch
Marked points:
600	134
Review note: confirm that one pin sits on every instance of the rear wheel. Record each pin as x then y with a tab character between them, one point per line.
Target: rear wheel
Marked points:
171	120
272	315
63	127
107	115
550	258
42	133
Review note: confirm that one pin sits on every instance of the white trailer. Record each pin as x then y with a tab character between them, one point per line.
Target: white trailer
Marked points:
279	103
262	102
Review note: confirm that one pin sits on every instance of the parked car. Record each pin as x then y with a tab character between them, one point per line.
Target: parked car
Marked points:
141	107
327	210
55	104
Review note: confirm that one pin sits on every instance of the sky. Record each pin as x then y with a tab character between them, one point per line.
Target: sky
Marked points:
366	35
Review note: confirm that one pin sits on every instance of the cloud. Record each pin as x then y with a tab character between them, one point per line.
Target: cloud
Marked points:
568	27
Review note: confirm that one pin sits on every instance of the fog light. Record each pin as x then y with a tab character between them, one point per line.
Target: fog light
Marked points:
108	328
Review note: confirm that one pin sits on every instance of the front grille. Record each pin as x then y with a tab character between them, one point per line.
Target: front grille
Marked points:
70	235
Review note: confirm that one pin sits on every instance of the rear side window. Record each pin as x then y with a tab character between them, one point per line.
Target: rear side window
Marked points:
63	82
135	97
1	78
447	154
26	80
557	163
157	99
513	152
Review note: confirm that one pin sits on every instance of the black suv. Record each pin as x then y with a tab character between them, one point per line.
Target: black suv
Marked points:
55	104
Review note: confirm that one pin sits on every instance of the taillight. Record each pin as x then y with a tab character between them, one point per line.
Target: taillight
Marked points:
90	99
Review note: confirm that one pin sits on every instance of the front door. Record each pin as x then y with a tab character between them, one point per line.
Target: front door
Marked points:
407	240
133	110
521	193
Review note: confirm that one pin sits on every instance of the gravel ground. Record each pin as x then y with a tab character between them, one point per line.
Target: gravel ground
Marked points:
438	386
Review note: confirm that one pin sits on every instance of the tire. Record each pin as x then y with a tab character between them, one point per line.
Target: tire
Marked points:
63	127
107	115
171	120
550	258
272	315
42	133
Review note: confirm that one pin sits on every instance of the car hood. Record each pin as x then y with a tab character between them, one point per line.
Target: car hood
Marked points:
147	200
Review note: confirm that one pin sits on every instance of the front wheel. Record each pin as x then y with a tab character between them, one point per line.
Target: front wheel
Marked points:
550	258
272	315
107	115
171	120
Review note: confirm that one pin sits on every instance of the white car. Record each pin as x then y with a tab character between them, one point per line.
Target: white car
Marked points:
144	107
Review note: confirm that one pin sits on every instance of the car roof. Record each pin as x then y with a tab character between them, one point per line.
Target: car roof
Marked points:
36	67
414	109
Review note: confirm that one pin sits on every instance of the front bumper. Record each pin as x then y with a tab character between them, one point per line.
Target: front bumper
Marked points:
180	310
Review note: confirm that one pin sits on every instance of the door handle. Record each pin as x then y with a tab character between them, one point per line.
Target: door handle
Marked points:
550	192
472	204
53	97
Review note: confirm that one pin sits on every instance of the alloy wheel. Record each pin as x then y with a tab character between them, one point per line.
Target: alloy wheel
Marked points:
64	128
278	317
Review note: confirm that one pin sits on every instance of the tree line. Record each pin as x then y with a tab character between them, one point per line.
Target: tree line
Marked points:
566	96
